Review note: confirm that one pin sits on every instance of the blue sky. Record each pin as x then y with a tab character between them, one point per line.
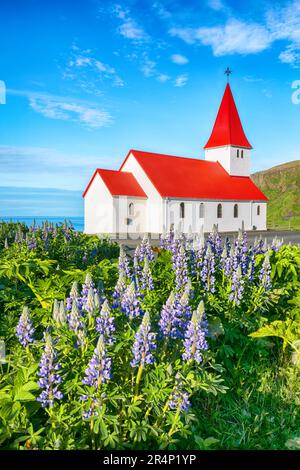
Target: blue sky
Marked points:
88	80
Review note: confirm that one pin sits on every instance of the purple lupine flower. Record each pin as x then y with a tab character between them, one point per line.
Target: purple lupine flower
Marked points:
179	260
144	250
144	344
276	244
167	239
237	286
87	287
265	273
167	322
208	270
260	246
32	243
119	291
74	294
146	278
76	324
24	329
194	338
130	302
99	367
124	264
105	324
215	242
49	379
179	398
251	266
182	314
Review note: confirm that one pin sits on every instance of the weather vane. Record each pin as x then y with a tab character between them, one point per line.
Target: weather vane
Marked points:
228	72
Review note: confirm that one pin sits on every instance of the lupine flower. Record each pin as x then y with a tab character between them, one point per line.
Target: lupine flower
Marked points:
167	322
179	398
215	242
180	268
182	314
90	303
144	250
76	324
146	279
49	379
265	273
208	270
99	367
62	318
55	311
87	287
119	290
105	323
143	344
24	329
167	239
74	294
251	266
194	338
32	243
276	244
124	264
6	244
237	286
130	303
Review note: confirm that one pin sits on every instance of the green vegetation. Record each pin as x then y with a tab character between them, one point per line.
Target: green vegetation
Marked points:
195	347
281	184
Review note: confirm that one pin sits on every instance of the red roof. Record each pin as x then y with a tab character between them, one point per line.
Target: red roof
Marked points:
190	178
119	183
228	129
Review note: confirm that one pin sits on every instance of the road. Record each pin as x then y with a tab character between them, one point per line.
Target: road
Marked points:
289	237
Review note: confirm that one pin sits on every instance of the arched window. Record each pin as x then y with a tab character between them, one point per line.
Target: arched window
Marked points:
242	153
235	211
201	210
181	210
131	209
219	211
238	153
258	210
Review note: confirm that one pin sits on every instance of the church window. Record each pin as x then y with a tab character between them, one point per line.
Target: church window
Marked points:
235	211
238	153
131	209
219	211
242	153
258	210
181	209
201	210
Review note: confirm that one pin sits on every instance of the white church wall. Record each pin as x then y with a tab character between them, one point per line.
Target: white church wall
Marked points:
127	218
227	157
98	208
154	218
227	223
259	220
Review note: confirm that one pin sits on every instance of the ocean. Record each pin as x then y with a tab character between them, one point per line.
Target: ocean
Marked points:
78	222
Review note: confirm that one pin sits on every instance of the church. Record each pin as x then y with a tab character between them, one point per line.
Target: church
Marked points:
153	193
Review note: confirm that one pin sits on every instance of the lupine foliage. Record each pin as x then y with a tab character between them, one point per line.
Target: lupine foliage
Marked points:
154	349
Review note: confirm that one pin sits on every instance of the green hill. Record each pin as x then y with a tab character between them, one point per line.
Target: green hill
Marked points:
281	184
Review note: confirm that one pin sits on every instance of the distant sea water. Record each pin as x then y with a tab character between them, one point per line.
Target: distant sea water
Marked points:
78	222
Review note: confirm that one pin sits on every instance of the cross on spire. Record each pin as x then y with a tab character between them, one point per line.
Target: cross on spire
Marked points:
228	72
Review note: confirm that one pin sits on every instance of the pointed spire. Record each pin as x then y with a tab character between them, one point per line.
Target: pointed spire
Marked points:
228	129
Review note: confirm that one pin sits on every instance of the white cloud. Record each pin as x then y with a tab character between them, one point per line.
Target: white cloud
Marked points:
148	67
87	71
161	11
163	78
130	30
216	4
234	37
179	59
290	56
66	109
251	79
181	80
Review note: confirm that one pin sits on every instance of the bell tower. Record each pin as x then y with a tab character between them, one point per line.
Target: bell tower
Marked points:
228	143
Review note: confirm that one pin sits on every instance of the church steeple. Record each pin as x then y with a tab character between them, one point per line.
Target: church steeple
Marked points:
228	129
228	143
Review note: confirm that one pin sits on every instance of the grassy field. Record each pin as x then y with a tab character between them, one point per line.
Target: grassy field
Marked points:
281	184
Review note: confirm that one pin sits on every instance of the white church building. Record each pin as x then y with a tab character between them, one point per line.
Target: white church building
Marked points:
153	192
